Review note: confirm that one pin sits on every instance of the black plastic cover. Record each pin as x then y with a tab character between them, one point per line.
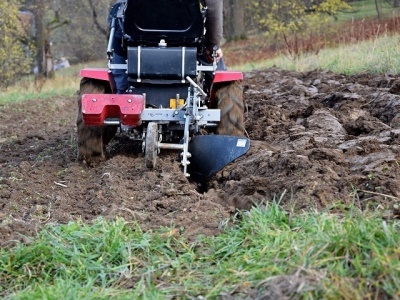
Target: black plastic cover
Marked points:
177	21
162	63
158	94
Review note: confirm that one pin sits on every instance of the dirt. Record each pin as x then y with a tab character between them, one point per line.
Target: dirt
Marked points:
318	141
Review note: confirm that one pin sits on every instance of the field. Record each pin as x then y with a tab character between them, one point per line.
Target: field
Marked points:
311	211
320	141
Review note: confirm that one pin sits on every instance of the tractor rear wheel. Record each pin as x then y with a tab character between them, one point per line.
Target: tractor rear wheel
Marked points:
230	102
151	145
92	140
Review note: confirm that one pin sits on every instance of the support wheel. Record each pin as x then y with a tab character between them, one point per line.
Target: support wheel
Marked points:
151	145
230	102
92	140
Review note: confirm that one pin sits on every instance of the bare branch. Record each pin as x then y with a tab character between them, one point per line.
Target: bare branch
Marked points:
96	21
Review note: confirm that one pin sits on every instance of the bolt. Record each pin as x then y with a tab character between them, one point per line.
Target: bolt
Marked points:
129	100
94	99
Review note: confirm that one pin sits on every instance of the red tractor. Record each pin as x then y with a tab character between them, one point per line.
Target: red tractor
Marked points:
170	102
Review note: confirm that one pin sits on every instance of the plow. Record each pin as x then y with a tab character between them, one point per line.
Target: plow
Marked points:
174	100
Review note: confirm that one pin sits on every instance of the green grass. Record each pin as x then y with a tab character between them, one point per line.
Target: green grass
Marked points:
378	56
65	83
314	255
367	9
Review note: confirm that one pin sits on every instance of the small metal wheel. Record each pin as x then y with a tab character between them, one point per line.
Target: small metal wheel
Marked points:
151	145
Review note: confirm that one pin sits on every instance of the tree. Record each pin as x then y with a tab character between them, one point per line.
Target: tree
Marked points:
293	16
14	44
99	25
47	19
85	36
30	28
378	8
234	19
39	10
394	3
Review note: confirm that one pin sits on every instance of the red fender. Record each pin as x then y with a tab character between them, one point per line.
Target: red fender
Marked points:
102	74
224	76
96	73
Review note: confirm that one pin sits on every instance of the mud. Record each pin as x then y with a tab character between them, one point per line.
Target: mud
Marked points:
318	141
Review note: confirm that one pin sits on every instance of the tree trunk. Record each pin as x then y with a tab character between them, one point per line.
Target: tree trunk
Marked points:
49	62
103	30
396	3
378	8
39	10
234	19
44	56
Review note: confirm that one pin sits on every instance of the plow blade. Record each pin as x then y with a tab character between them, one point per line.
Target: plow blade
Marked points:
210	153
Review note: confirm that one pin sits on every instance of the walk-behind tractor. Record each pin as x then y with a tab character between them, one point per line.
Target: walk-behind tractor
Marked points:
169	102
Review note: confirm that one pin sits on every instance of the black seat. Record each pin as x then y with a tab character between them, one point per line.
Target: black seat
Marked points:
178	22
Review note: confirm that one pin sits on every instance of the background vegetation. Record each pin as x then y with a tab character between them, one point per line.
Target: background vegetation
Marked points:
44	31
13	50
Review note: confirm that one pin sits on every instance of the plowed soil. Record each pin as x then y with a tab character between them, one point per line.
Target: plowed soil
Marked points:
318	141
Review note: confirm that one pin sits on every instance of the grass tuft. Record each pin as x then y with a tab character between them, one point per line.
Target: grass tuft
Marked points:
65	83
377	56
310	255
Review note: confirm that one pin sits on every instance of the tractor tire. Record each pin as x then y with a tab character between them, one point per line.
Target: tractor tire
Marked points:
92	140
230	102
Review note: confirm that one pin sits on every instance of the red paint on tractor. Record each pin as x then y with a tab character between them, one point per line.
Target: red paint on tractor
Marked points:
223	76
96	73
97	107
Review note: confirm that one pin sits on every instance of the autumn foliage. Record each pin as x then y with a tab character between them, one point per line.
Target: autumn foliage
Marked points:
14	60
